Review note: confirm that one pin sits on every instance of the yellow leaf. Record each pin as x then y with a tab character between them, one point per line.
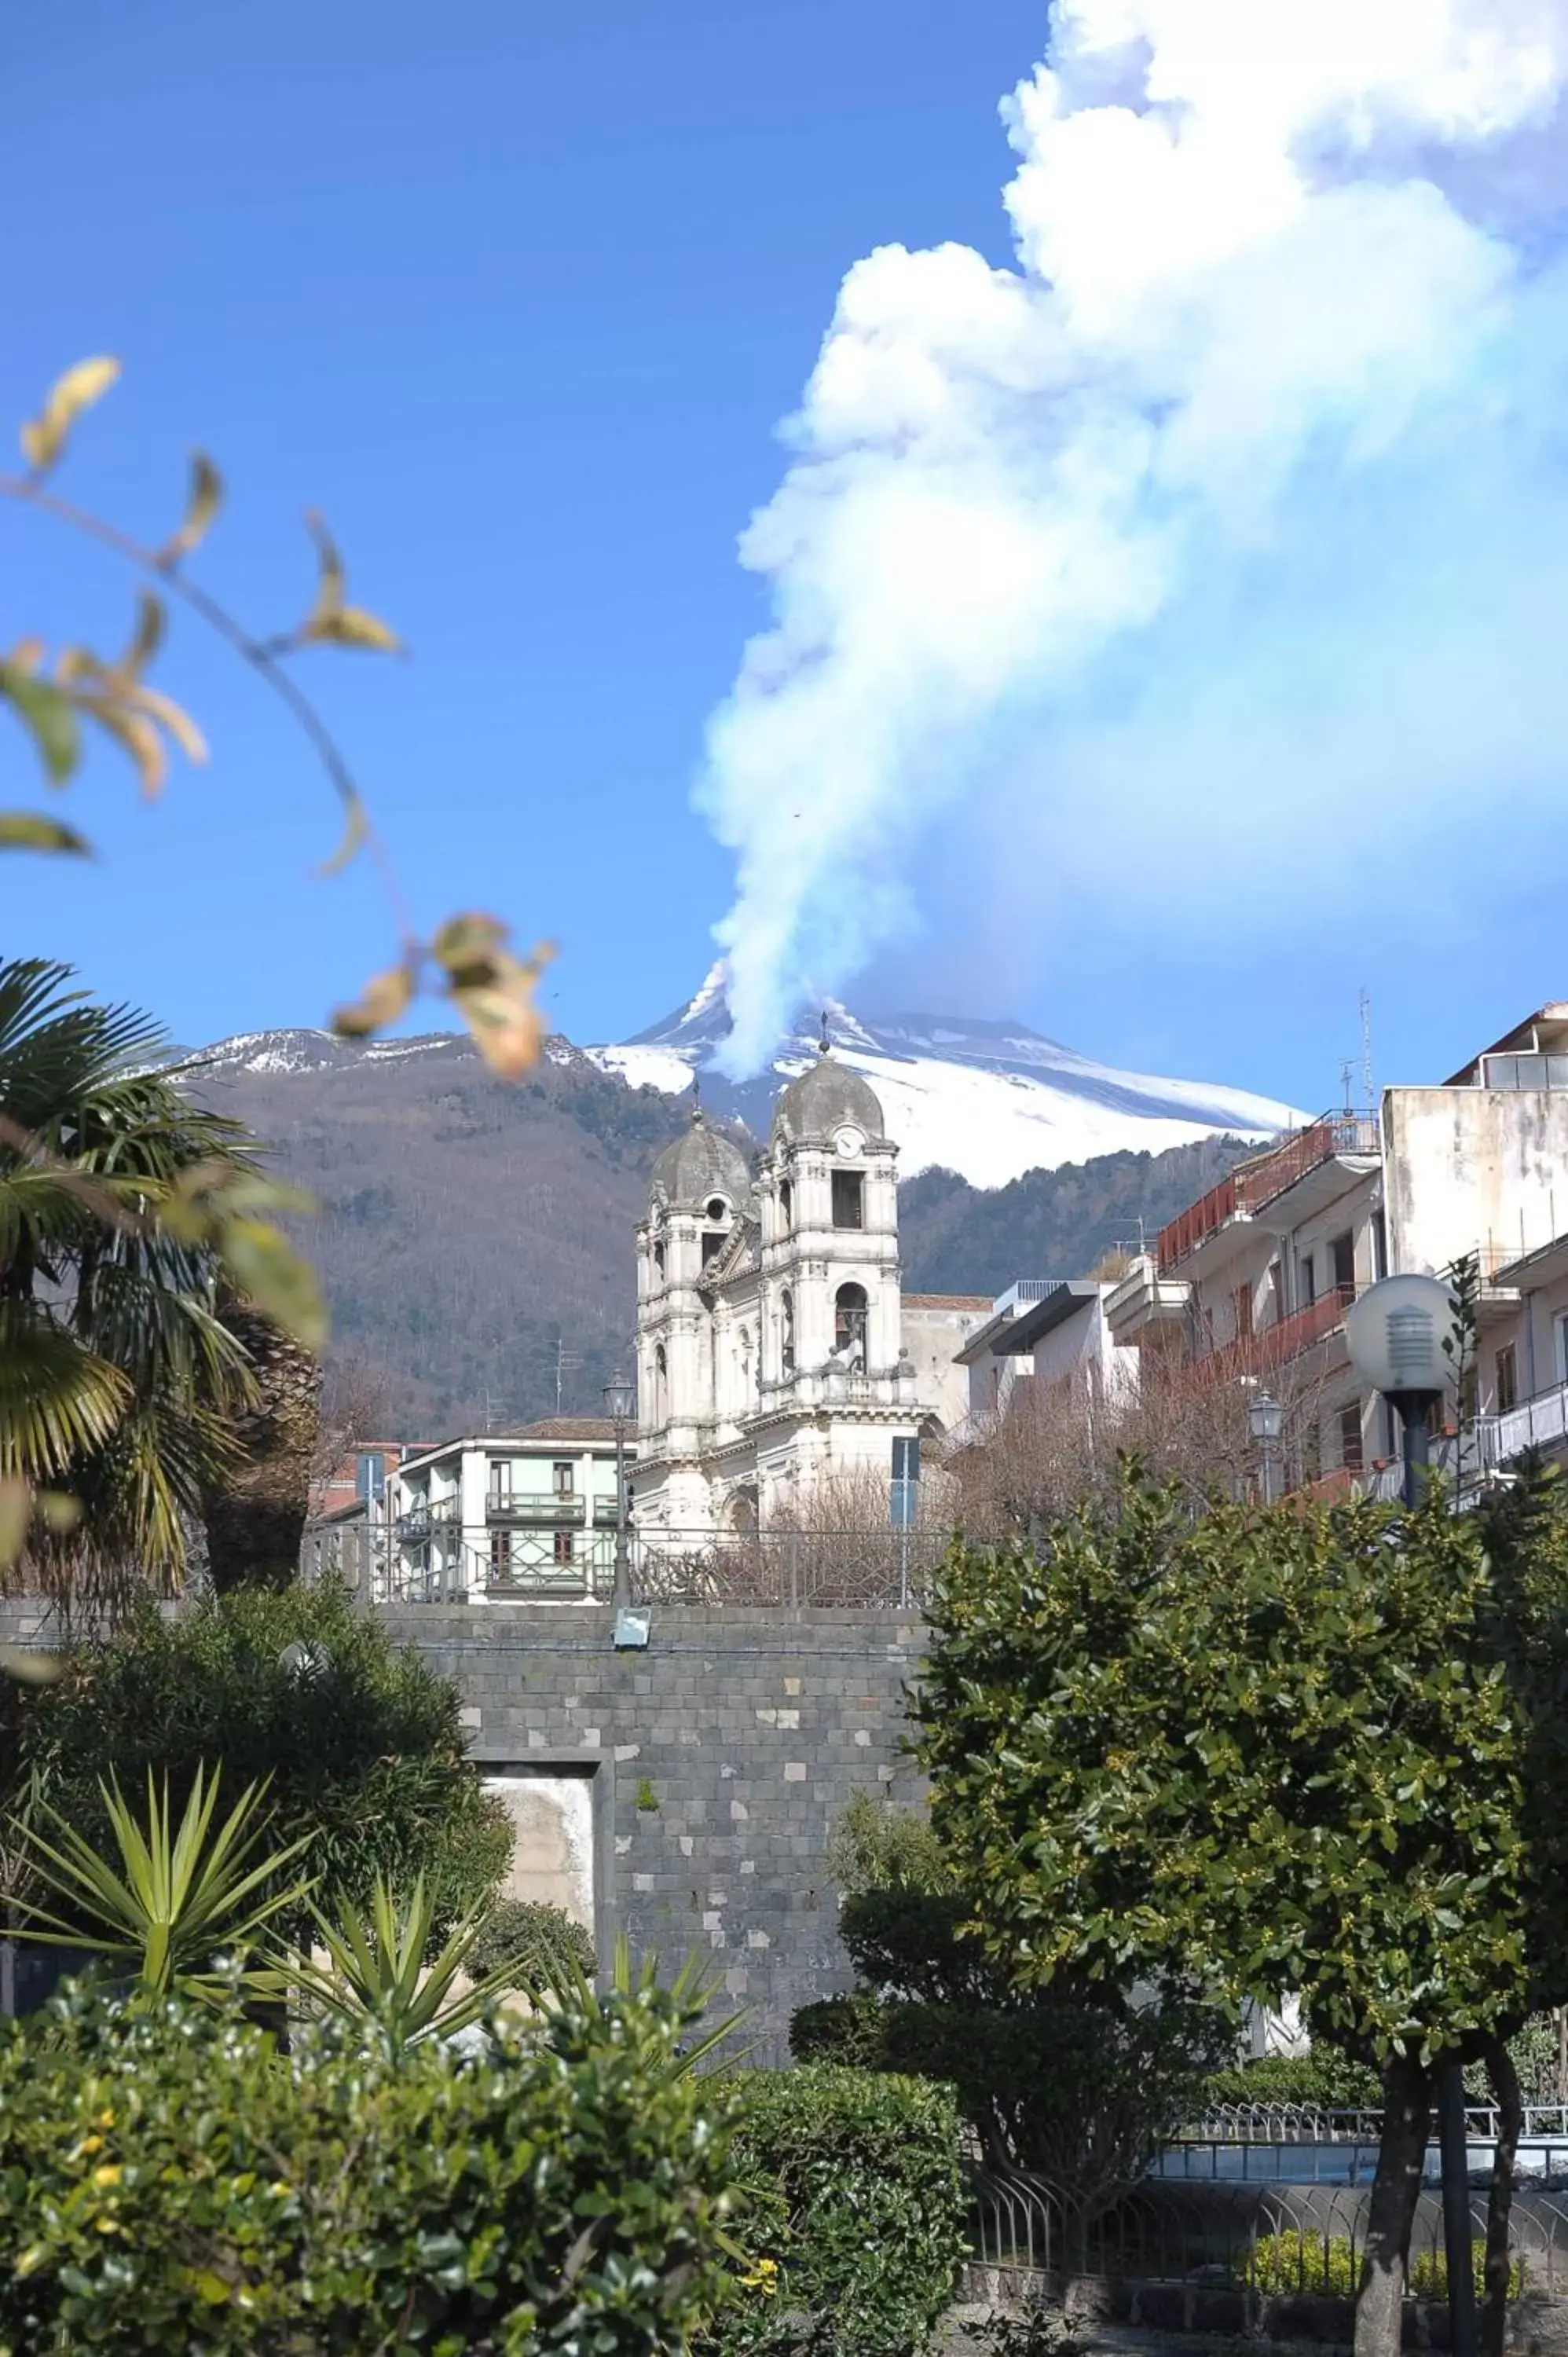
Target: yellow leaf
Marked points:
498	1006
383	999
356	828
44	437
31	830
470	940
31	1669
26	655
134	731
172	718
60	1512
351	626
205	500
147	639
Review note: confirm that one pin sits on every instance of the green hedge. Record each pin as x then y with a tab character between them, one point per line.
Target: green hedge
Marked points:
168	2182
854	2214
550	1950
1294	2261
1325	2079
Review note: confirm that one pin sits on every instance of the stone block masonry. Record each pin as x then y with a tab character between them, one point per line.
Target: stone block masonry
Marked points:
747	1730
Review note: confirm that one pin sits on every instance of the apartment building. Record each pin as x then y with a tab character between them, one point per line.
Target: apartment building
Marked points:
1251	1283
511	1516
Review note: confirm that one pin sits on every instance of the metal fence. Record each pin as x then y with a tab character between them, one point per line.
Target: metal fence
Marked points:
1306	2239
862	1570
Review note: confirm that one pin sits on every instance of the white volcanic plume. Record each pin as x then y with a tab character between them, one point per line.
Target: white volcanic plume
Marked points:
1231	519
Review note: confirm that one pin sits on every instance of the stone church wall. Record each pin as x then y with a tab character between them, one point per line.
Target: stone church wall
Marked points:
747	1730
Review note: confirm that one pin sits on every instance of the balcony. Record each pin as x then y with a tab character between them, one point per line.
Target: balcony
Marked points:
1272	1346
514	1509
1538	1423
427	1519
1245	1192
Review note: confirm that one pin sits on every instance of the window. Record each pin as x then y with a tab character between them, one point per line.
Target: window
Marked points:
1306	1280
501	1555
500	1480
787	1333
718	1209
786	1206
565	1546
713	1242
849	1198
659	1261
1241	1301
660	1386
1560	1330
563	1480
1507	1379
1343	1251
849	1323
1350	1438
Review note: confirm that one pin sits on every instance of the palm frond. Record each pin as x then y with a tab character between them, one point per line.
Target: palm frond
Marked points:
377	1974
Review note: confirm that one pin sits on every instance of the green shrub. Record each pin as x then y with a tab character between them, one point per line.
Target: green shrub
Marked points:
1295	2261
551	1950
168	2181
874	1847
1326	2080
850	2030
363	1744
854	2213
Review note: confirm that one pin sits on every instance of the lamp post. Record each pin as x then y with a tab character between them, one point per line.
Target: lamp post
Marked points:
1265	1419
1394	1333
618	1399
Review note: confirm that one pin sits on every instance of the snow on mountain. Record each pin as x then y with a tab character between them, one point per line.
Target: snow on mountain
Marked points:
988	1100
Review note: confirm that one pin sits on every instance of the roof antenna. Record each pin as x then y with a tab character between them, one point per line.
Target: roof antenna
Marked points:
824	1044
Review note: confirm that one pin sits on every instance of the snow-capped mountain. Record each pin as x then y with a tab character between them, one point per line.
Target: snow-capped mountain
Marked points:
988	1100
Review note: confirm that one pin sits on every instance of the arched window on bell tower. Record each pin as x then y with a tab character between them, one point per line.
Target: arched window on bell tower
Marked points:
787	1333
786	1206
660	1387
849	1324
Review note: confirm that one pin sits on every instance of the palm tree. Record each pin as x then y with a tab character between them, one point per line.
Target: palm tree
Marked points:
119	1384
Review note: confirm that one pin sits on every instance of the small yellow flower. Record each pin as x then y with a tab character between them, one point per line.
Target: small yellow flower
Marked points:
105	2119
110	2174
90	2144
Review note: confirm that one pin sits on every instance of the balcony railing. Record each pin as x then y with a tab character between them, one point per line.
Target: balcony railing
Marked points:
1538	1423
505	1506
1272	1346
1245	1192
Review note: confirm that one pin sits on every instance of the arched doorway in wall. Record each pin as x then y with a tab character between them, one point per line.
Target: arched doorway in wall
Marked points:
850	1314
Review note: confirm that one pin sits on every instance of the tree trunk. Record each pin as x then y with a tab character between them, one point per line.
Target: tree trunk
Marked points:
1401	2158
1500	2200
255	1516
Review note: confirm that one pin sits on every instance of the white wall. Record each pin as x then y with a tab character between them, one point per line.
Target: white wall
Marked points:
1464	1168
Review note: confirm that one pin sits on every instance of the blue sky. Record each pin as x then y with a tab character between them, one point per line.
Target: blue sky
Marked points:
519	297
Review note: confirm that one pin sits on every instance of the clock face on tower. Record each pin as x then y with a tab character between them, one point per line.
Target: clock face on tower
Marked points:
849	1143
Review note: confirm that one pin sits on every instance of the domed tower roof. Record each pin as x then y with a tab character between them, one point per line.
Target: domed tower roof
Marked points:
826	1098
701	1163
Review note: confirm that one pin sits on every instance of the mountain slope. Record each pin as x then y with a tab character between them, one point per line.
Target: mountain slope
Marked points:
475	1240
989	1100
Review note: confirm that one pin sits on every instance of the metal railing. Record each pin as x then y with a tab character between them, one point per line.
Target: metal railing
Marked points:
1538	1423
882	1568
1266	2239
1247	1191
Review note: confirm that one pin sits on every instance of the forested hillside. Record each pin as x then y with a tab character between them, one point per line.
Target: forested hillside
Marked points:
474	1239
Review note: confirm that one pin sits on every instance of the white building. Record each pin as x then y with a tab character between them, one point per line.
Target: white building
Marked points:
1254	1278
1051	1331
514	1515
776	1350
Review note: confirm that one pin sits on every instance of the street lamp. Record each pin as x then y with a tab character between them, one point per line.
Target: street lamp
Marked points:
620	1398
1394	1334
1265	1419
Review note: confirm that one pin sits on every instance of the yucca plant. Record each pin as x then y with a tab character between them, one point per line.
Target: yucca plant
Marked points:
376	1973
170	1901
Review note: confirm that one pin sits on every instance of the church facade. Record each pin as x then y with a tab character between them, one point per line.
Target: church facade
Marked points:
775	1349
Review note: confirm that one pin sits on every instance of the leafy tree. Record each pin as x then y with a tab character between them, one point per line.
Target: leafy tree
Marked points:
361	1742
118	1385
1304	1750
